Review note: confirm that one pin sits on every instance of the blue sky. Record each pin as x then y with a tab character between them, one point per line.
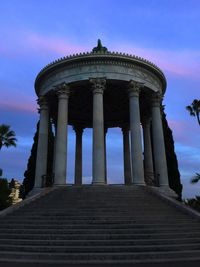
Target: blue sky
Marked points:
34	33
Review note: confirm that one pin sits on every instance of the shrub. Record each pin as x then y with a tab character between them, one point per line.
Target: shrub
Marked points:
4	194
194	203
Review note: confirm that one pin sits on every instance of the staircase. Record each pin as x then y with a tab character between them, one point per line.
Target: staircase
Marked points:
106	225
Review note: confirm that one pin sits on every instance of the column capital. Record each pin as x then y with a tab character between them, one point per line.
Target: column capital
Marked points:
156	99
78	129
134	88
62	90
42	102
98	85
146	120
125	128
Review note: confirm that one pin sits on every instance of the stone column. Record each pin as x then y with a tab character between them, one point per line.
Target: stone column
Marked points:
136	141
98	163
158	141
61	135
105	157
148	156
42	148
78	156
127	159
54	149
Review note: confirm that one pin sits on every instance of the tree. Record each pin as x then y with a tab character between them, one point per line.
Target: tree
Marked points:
194	109
193	203
172	163
12	183
4	194
29	174
7	137
196	178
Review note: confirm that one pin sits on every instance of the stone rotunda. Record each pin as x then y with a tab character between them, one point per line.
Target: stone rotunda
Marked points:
100	90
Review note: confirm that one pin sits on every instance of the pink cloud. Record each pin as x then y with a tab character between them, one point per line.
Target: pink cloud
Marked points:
183	132
52	44
25	42
179	126
182	62
19	107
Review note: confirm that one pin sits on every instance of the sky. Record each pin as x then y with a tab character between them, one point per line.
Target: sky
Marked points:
35	33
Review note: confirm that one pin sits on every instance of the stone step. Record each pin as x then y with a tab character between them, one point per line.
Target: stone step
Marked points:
53	226
99	248
100	257
93	221
139	216
99	222
97	217
77	215
102	209
87	225
105	230
100	242
102	236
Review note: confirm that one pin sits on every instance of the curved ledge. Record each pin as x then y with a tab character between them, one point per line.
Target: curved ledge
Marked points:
101	55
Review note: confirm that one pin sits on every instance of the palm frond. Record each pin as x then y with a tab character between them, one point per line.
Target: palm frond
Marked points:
196	178
7	136
190	109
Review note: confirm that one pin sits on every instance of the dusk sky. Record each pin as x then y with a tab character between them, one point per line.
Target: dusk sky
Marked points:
34	33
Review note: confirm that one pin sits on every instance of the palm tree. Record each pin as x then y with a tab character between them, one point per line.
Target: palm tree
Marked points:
196	178
7	137
194	109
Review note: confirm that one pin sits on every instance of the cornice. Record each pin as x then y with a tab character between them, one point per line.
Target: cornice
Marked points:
101	58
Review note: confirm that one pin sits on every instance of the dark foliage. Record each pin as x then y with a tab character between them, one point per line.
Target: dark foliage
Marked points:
196	178
194	109
29	174
172	163
4	194
194	203
50	157
12	184
7	137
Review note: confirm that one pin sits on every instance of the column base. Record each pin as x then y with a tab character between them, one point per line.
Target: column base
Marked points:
143	184
55	185
127	184
99	183
166	190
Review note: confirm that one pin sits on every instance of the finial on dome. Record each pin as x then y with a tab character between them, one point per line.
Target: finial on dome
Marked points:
99	47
